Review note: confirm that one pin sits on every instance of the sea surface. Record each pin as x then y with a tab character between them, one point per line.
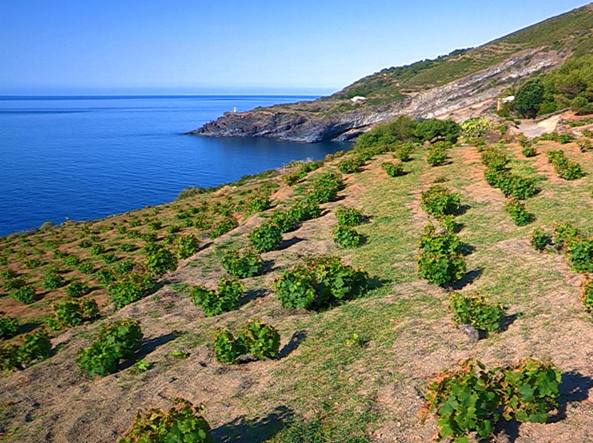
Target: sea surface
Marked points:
84	158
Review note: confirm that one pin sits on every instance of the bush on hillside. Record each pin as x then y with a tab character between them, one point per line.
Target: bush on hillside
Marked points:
319	283
225	298
182	423
116	341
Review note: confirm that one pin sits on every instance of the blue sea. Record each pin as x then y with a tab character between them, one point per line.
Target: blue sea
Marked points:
84	158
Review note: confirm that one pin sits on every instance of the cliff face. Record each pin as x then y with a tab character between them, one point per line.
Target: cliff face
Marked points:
462	84
459	99
463	98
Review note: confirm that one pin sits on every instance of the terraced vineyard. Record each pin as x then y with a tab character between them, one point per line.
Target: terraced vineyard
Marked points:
231	299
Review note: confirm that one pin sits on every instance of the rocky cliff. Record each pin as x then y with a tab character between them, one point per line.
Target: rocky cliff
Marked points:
459	85
459	99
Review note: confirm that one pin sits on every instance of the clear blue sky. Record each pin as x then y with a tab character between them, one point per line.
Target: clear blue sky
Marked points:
217	46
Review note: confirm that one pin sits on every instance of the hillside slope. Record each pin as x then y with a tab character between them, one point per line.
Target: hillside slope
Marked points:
461	84
362	366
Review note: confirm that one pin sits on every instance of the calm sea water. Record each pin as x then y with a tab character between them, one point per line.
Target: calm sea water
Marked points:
88	157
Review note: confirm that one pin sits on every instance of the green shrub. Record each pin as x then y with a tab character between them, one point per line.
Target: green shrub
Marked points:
347	237
439	201
475	128
540	240
393	169
256	338
440	241
223	226
465	401
518	213
285	220
434	130
69	313
529	151
530	391
186	246
86	267
475	311
265	238
262	341
304	210
158	259
349	216
35	347
581	255
52	280
437	156
404	151
325	187
495	159
351	165
9	327
77	289
242	264
301	172
129	288
258	204
97	249
566	235
116	341
228	348
471	400
24	294
564	167
529	97
319	283
225	298
441	268
183	423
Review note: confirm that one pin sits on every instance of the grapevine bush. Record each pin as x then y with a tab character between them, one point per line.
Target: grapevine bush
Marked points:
186	246
581	255
475	311
130	288
441	261
225	298
223	226
349	216
77	289
34	348
158	259
242	264
471	400
564	167
116	341
439	201
319	283
183	423
347	237
393	169
351	165
69	313
540	240
24	294
518	213
255	338
325	187
266	238
9	327
437	155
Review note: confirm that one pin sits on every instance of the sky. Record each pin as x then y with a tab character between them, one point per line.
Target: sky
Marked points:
233	46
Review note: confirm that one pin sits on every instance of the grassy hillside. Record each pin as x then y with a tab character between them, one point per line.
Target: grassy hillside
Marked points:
571	32
356	371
